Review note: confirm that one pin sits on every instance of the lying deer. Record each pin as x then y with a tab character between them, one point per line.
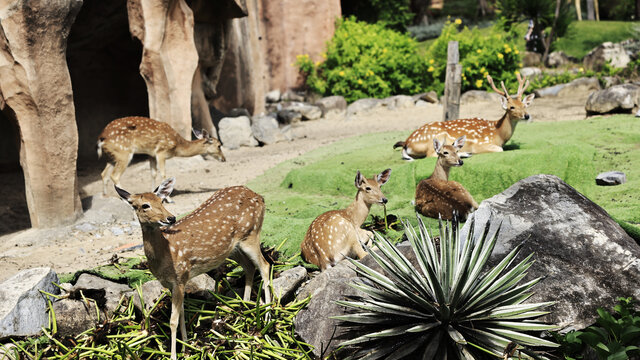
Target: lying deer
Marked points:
437	195
336	234
482	135
126	136
226	225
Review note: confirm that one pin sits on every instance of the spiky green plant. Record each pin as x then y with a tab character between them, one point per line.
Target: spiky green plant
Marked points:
451	307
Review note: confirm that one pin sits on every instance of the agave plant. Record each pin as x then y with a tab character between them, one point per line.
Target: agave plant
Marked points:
450	307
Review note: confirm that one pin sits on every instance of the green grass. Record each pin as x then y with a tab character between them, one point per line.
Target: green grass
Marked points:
298	190
583	36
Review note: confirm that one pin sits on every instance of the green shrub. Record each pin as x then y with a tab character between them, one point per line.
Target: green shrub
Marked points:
364	60
480	55
392	14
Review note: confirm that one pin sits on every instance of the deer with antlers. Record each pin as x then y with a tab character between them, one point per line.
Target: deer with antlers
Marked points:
437	196
124	137
336	234
227	225
482	135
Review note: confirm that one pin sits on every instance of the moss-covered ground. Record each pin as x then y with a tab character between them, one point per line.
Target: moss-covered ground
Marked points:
298	190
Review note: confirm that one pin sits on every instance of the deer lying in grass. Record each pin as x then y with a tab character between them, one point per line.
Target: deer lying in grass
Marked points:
482	135
336	234
227	225
437	195
126	136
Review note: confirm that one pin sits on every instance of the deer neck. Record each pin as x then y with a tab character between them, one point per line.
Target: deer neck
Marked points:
187	148
505	127
156	246
441	172
358	211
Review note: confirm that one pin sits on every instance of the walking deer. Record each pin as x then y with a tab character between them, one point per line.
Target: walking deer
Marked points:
227	225
126	136
482	135
437	195
336	234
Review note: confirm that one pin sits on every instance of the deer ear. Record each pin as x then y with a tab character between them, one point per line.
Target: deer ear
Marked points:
528	99
459	143
437	145
383	177
359	179
197	133
165	189
124	195
505	102
205	134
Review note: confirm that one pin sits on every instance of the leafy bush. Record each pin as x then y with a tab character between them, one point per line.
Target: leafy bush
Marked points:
480	55
615	336
364	60
449	307
392	14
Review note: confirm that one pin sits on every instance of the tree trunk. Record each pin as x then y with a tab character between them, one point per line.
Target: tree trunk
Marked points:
579	10
595	5
452	84
484	8
590	10
551	33
637	10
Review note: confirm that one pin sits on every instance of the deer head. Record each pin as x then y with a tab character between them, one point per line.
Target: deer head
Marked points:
210	145
370	188
148	206
448	154
515	106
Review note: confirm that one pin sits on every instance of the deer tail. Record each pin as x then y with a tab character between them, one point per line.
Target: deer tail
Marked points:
398	144
99	147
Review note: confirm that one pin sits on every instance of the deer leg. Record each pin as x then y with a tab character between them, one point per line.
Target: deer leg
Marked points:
493	148
177	303
105	177
251	248
249	271
119	168
153	163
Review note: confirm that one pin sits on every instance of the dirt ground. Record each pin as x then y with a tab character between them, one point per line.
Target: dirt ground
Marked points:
109	227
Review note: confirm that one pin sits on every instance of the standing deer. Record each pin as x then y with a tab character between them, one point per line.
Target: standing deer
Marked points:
126	136
436	195
227	225
482	135
336	234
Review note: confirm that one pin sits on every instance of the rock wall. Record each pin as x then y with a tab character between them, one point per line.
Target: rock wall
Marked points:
36	92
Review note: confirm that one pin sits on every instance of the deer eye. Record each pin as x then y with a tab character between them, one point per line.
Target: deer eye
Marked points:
446	152
513	108
368	188
146	206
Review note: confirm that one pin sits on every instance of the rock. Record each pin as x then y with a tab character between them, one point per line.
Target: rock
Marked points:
473	96
266	130
609	81
398	102
580	85
289	116
421	103
235	112
85	227
113	291
332	105
116	231
105	210
611	178
236	132
531	72
586	259
288	282
201	286
9	352
151	293
430	97
310	112
558	59
606	53
75	316
549	91
363	105
530	58
23	308
273	96
291	95
618	98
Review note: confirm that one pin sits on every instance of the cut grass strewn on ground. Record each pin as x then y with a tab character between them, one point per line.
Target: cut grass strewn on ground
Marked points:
298	190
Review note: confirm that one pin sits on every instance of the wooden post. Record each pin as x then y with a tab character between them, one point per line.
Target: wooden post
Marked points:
452	84
578	10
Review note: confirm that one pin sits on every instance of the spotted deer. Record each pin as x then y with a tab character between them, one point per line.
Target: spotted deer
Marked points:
126	136
437	195
336	234
227	225
482	135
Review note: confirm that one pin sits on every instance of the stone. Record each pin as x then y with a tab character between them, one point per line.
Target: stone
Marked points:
611	178
549	91
430	97
266	130
473	96
106	210
23	308
36	94
288	282
530	58
289	116
580	85
235	112
291	95
421	103
116	231
606	53
310	112
273	96
531	72
332	105
619	98
586	259
75	316
363	105
236	132
113	291
398	102
9	351
609	81
152	291
201	286
558	59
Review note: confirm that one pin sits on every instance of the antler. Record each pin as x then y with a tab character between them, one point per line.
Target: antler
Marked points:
504	93
523	84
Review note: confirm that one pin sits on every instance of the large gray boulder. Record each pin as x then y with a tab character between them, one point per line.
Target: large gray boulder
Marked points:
584	256
23	308
606	53
473	96
266	129
363	105
580	85
618	98
288	282
332	105
558	59
235	132
399	102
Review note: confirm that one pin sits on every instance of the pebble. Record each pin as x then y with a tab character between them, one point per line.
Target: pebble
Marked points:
611	178
117	231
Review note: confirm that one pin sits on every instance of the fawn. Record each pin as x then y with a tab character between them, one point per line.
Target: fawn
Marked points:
436	195
227	225
482	135
336	234
126	136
